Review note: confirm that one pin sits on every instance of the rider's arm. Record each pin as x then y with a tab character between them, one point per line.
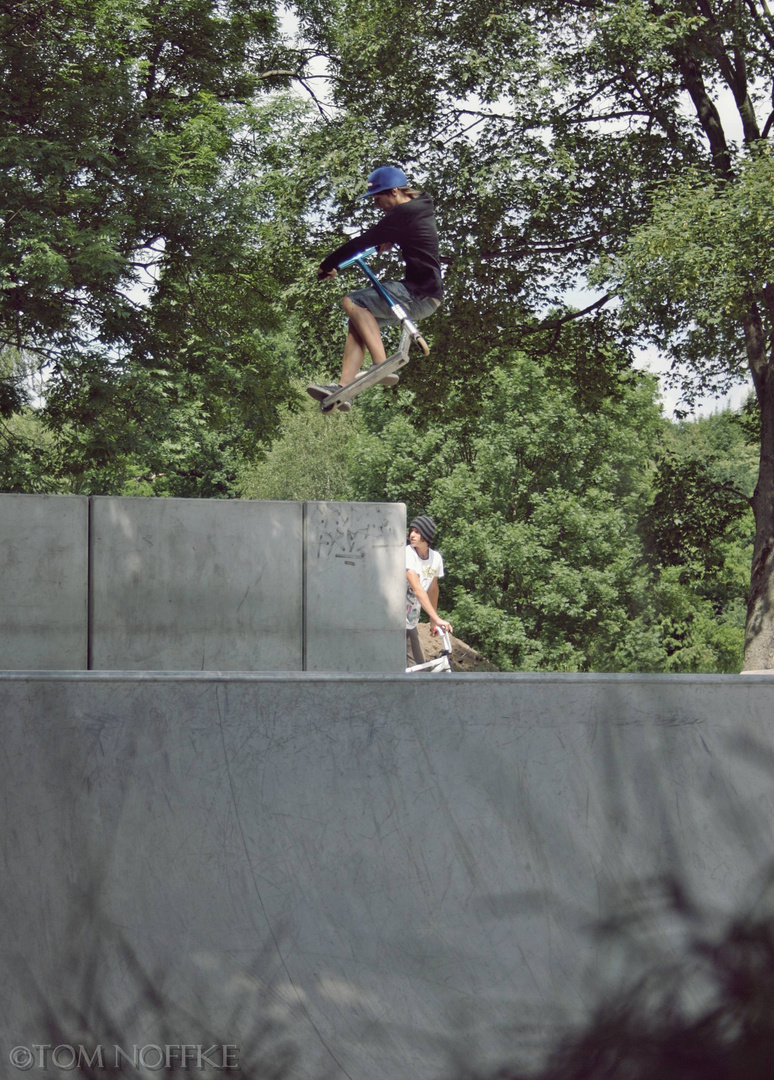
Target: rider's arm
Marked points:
432	592
325	275
426	601
382	233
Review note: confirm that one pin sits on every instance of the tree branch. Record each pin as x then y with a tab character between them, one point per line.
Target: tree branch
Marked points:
708	115
554	324
524	248
761	22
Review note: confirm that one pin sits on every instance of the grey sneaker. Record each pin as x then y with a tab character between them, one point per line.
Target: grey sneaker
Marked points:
320	391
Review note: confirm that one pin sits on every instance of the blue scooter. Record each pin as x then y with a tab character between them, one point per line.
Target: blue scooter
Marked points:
409	335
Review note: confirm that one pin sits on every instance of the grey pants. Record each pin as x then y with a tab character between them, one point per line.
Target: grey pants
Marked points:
414	654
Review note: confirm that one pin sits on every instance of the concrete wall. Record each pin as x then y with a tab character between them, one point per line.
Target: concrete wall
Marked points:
355	558
43	581
373	870
187	584
183	584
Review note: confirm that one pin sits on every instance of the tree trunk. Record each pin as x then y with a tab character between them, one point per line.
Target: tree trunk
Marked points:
759	632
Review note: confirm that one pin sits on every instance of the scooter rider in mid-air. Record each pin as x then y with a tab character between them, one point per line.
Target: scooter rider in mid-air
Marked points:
409	222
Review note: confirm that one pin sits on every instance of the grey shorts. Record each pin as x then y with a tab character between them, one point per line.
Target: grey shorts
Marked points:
417	308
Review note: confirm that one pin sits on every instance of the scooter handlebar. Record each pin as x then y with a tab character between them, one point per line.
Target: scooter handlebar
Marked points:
447	645
354	258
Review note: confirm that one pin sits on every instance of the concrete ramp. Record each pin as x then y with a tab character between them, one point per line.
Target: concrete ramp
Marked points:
357	876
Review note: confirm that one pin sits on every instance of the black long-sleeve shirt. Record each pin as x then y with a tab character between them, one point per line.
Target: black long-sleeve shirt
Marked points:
411	225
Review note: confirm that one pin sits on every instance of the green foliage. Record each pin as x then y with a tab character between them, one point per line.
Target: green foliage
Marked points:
580	530
539	136
142	262
29	461
559	523
552	144
699	533
308	462
691	509
162	224
537	507
13	391
693	271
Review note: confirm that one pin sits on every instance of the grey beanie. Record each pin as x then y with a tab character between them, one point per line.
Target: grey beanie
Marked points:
424	525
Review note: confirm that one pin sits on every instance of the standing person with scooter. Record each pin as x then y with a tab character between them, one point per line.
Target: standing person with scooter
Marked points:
424	567
409	222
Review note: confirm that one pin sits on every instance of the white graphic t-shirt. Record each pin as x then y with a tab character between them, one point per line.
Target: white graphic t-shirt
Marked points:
427	569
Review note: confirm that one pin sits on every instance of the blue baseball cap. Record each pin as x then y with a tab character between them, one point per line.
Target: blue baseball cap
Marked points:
385	178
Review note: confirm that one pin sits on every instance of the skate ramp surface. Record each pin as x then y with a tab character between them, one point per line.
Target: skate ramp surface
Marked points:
358	876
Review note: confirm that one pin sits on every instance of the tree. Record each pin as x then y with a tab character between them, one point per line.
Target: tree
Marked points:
141	181
698	534
546	130
308	461
699	276
559	534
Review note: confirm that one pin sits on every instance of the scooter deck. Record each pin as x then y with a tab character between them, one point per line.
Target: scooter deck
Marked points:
373	375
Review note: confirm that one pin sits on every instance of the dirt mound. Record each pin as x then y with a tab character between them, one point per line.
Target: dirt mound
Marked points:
463	658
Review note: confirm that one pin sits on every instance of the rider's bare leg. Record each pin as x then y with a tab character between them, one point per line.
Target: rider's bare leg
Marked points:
363	335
